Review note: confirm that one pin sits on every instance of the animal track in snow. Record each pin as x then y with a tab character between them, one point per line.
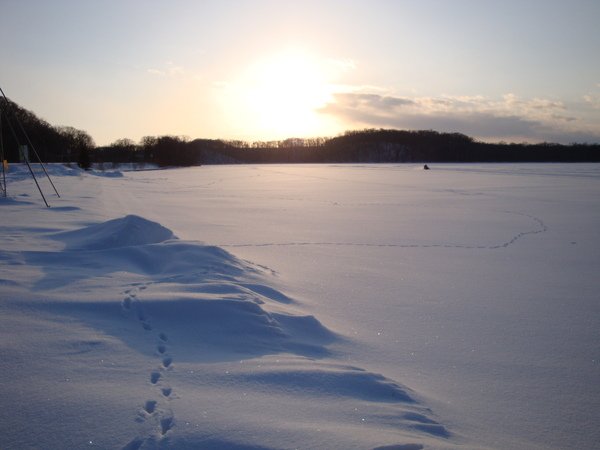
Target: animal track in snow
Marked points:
152	408
126	303
130	302
140	313
154	377
541	228
166	423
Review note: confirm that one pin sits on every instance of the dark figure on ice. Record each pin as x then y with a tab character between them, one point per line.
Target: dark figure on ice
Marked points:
425	167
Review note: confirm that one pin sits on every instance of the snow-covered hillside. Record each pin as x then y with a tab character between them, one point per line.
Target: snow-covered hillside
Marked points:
269	307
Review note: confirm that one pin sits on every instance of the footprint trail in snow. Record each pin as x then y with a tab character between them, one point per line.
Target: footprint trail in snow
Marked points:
203	295
157	411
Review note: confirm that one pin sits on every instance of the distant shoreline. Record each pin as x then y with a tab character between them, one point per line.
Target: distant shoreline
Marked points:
366	146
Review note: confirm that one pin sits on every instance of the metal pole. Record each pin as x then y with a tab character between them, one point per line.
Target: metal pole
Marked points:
30	144
27	162
2	159
35	179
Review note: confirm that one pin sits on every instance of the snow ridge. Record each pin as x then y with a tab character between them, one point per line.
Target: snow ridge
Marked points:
123	232
187	308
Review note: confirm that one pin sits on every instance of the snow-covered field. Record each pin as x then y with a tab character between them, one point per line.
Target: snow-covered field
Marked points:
305	306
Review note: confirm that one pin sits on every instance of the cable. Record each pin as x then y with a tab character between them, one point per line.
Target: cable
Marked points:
29	142
3	184
26	159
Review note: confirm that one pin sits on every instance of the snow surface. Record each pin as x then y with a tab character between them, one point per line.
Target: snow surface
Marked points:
304	306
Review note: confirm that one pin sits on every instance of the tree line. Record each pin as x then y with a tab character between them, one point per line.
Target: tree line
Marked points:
364	146
68	144
52	143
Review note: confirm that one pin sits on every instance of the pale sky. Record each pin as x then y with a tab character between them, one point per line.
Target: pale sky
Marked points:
523	70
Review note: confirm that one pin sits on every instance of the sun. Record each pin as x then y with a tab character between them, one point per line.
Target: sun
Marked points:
285	91
280	95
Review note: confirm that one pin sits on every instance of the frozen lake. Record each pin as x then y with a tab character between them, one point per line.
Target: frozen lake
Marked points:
456	307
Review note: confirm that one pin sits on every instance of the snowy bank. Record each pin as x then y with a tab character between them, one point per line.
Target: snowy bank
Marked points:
126	314
334	306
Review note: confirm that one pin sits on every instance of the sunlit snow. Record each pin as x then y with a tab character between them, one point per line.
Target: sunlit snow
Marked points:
302	306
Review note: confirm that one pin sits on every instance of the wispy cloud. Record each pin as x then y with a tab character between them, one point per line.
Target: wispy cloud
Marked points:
341	65
507	118
169	69
592	100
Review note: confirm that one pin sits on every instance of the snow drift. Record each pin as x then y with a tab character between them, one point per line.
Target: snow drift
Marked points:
384	307
192	309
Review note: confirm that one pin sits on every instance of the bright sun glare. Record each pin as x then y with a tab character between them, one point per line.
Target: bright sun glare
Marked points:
280	95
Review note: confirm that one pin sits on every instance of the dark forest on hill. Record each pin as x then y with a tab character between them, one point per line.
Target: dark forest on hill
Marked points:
68	144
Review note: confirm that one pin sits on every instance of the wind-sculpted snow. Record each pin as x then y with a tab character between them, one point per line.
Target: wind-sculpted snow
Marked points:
203	295
333	381
123	232
186	311
301	306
